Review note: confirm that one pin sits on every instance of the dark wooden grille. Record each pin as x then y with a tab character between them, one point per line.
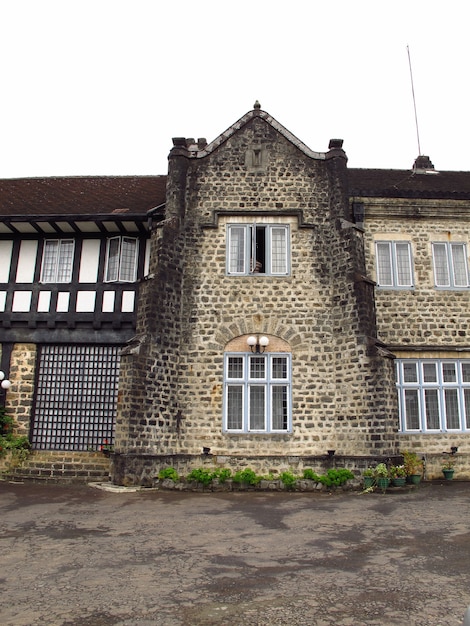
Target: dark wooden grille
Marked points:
76	397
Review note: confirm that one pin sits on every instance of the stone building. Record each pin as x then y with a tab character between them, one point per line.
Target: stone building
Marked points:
268	307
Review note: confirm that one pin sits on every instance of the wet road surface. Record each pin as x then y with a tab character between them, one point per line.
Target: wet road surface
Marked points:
80	556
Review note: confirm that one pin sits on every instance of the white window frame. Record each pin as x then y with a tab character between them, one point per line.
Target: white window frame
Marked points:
118	272
433	395
445	264
397	259
246	384
241	241
57	261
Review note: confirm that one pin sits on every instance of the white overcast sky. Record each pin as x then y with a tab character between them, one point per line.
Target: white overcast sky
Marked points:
100	87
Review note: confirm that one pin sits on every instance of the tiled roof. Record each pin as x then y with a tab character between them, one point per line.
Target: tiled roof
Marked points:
409	184
81	195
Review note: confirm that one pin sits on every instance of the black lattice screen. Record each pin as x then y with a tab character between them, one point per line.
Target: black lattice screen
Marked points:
76	397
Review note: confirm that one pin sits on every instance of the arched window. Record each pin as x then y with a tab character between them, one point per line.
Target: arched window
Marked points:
257	388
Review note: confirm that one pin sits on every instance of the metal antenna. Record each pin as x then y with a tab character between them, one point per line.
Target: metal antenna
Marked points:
414	100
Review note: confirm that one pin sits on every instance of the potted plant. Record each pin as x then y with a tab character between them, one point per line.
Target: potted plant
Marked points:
398	475
382	477
413	467
369	477
448	468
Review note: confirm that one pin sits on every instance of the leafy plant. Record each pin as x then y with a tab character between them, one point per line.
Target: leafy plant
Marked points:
222	474
288	479
369	472
309	474
9	441
336	477
397	471
168	472
200	475
247	476
448	464
413	464
381	470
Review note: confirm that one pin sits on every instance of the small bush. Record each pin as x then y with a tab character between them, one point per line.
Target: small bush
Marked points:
168	472
309	474
222	474
247	476
288	479
200	475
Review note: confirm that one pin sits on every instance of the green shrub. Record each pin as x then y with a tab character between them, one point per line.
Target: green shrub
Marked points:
10	441
169	472
200	475
247	476
222	474
288	479
336	477
309	474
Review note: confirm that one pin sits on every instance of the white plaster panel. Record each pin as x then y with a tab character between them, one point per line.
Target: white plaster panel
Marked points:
86	301
21	301
128	298
44	302
3	298
26	262
108	301
89	261
63	299
5	260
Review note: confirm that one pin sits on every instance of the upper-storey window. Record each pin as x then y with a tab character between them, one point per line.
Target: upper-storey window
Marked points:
258	249
257	393
450	264
57	261
394	265
121	259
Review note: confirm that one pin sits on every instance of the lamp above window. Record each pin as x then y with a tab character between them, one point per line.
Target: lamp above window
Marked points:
257	344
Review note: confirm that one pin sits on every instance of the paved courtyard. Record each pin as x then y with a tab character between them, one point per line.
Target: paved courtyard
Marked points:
80	556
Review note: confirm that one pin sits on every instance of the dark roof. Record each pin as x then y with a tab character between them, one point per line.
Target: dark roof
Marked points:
409	184
81	195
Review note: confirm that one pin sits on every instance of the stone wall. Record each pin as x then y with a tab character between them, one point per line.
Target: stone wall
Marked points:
19	398
172	374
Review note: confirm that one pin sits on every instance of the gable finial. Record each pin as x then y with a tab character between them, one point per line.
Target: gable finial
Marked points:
257	105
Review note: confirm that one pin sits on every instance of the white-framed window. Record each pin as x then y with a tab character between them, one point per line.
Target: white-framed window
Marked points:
394	264
121	259
57	261
450	264
258	249
434	395
257	394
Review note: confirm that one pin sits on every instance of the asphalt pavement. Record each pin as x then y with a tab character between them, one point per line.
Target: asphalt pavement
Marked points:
83	556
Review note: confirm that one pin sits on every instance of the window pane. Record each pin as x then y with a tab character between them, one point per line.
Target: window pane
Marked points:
449	374
128	259
236	249
452	408
432	408
459	264
441	266
411	409
112	272
64	271
466	372
403	264
257	367
257	407
429	372
279	367
384	264
278	250
466	397
410	373
234	407
235	367
279	407
49	261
